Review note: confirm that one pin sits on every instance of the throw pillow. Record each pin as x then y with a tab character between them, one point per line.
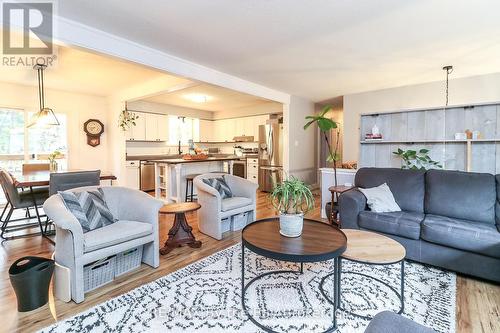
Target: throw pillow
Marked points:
89	208
220	185
380	199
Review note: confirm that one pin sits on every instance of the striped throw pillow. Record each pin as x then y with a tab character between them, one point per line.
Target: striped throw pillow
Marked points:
220	185
89	208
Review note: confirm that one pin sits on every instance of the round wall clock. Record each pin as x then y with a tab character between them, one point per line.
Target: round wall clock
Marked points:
94	128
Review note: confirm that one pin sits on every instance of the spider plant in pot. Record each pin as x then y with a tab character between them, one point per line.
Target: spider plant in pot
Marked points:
292	198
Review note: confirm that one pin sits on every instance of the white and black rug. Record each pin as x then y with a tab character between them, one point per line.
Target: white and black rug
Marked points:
205	297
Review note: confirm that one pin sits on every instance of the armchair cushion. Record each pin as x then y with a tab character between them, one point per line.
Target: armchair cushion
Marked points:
234	203
473	236
220	185
89	207
116	233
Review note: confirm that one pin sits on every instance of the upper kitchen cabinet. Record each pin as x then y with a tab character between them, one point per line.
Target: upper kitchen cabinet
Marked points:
206	130
137	132
149	127
156	127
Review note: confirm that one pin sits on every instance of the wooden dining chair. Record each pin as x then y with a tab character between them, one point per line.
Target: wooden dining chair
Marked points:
30	167
69	180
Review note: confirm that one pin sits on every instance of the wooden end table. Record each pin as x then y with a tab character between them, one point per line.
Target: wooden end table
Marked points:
336	192
180	233
319	242
372	249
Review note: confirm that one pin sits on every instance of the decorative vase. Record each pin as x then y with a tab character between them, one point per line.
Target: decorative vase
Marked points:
53	166
291	224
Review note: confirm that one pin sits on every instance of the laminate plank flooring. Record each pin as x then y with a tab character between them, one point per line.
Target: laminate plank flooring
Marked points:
478	302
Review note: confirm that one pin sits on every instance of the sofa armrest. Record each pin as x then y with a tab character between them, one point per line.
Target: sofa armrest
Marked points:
242	187
351	203
56	210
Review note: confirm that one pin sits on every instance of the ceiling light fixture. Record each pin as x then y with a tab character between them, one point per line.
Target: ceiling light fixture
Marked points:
197	98
45	116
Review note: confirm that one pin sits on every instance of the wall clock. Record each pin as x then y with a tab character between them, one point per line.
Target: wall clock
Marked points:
94	128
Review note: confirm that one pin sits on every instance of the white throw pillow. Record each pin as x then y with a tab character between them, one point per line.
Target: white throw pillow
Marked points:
380	199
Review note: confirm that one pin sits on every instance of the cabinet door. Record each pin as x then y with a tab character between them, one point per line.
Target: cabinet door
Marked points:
206	130
249	129
239	126
162	127
151	129
138	132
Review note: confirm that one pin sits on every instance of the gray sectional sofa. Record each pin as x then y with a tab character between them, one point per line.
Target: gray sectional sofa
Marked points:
449	219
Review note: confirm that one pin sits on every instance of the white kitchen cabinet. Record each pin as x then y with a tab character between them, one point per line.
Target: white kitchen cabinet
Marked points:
149	127
137	132
206	130
132	174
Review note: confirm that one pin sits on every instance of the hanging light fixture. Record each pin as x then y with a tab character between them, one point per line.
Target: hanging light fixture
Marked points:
449	70
45	116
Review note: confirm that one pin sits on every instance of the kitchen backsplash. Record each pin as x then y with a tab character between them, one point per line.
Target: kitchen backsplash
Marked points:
160	148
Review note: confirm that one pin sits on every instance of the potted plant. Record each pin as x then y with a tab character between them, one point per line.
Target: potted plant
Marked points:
52	160
416	160
127	119
292	198
325	126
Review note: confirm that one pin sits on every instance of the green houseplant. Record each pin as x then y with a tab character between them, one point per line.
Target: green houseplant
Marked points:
292	198
127	119
416	160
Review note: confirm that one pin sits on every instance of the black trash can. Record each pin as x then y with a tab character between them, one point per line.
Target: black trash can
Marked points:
30	278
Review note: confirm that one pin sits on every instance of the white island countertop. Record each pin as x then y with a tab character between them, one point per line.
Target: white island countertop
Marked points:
210	159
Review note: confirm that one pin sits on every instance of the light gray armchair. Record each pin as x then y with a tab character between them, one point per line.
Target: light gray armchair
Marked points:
214	209
137	224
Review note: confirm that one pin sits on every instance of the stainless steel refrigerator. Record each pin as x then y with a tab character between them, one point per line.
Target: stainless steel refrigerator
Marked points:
270	156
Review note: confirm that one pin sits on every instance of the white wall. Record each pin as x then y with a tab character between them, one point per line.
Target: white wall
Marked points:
301	155
78	108
475	89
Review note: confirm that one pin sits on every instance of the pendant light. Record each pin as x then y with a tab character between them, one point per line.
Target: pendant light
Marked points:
45	116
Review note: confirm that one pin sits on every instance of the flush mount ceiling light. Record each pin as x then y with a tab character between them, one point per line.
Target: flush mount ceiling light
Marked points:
197	98
45	116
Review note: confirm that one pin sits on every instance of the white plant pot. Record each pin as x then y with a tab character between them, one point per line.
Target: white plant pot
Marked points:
291	224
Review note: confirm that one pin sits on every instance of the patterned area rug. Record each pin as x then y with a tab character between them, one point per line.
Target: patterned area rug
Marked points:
205	297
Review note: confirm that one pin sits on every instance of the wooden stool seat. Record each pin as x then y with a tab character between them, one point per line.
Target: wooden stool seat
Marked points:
181	232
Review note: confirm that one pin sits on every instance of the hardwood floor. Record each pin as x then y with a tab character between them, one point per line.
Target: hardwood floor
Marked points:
478	302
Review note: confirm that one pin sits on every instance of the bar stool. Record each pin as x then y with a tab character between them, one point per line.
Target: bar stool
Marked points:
189	180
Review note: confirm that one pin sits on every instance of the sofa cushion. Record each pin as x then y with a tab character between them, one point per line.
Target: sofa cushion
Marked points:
234	202
407	186
473	236
461	195
220	185
404	224
116	233
89	208
380	199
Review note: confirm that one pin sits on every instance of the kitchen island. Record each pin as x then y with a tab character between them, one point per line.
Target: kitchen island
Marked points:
170	174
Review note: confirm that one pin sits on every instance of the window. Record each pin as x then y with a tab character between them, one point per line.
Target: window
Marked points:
19	144
183	129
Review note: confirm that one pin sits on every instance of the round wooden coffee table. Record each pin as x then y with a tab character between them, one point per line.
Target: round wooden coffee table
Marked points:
319	242
373	249
181	232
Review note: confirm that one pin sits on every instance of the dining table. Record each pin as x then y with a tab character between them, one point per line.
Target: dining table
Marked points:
31	179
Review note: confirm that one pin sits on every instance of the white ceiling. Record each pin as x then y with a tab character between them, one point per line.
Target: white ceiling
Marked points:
84	72
317	49
207	97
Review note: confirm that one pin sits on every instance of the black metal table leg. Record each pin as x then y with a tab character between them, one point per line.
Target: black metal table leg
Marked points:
338	300
244	288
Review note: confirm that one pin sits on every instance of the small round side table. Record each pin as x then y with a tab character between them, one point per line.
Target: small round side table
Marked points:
180	233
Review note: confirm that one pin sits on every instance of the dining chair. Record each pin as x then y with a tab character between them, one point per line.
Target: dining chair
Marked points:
69	180
30	167
17	199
